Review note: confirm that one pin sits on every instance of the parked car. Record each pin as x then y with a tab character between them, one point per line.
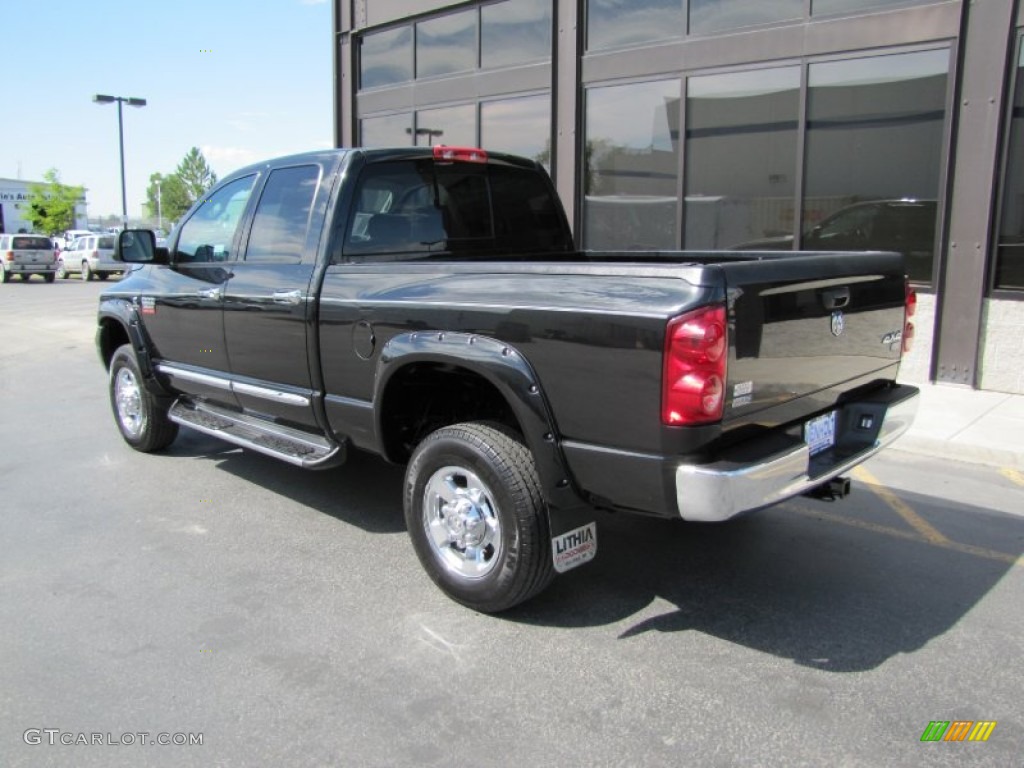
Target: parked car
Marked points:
27	255
90	255
66	240
906	226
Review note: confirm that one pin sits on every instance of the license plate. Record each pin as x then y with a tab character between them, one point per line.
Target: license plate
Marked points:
820	432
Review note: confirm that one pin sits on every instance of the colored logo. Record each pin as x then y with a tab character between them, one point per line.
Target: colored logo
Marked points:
958	730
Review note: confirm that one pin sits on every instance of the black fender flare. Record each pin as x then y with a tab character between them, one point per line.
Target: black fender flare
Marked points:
125	313
508	370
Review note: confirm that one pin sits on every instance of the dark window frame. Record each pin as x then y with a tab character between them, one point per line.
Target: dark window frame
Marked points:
1013	82
804	62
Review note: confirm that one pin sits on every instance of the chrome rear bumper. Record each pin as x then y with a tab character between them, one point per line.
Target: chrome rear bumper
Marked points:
723	489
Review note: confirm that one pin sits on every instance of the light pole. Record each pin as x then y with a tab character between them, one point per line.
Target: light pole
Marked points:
100	98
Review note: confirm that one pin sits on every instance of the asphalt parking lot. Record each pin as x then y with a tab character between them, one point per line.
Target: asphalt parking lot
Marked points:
282	617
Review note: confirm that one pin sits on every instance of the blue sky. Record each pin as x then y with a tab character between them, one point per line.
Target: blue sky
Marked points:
241	80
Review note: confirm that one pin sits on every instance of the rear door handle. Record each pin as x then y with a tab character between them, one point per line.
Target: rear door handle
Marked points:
287	297
210	293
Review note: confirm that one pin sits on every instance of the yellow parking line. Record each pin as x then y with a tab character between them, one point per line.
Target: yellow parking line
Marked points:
898	533
900	507
1013	475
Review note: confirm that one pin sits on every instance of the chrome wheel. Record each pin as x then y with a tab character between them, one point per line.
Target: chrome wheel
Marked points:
461	522
128	398
62	271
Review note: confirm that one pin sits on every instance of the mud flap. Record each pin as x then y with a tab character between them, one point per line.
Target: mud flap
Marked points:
574	548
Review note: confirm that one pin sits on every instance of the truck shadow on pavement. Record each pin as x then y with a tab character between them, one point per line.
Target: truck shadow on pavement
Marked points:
835	587
792	581
365	491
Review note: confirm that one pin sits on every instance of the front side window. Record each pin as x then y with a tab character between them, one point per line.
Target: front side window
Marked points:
281	221
209	233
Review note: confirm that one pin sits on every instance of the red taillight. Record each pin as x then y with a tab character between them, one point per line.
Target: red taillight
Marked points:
459	154
95	254
9	256
696	354
910	311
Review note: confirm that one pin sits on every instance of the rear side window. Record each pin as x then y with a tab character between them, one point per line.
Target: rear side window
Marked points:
31	244
106	242
281	221
426	207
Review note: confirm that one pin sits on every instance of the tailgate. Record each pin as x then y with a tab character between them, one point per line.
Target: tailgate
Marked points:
809	327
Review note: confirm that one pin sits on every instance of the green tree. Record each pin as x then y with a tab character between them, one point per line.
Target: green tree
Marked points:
167	198
51	205
196	174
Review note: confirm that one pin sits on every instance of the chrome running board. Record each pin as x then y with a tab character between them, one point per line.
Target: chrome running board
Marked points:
291	445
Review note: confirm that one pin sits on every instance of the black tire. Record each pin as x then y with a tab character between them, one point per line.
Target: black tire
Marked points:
86	272
504	555
49	277
102	275
140	416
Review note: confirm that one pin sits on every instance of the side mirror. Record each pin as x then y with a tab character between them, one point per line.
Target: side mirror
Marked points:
138	246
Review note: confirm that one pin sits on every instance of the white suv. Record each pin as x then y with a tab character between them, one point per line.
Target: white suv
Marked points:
90	255
26	255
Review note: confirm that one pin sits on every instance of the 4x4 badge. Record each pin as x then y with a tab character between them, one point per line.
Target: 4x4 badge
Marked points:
838	323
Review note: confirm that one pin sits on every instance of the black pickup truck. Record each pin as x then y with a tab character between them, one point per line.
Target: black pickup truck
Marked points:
429	306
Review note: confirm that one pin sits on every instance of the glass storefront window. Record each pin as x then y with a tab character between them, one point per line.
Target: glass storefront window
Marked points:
520	126
1010	258
515	32
823	7
446	44
454	126
614	23
718	15
741	152
875	134
386	131
386	58
631	160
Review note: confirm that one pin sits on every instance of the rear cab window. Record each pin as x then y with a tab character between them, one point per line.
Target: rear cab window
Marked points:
423	207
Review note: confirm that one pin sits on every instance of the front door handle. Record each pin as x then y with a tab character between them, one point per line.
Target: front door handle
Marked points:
287	297
210	293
